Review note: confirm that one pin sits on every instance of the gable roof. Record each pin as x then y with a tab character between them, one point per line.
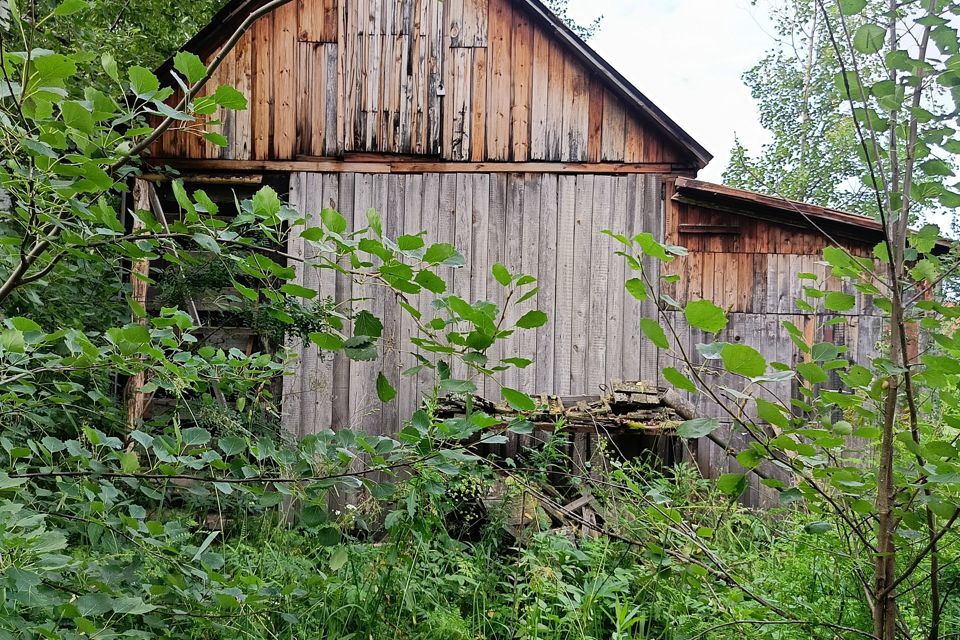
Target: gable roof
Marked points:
232	14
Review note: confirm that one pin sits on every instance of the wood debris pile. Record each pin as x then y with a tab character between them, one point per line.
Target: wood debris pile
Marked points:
628	406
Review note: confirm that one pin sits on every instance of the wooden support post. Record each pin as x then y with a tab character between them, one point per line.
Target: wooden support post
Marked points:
139	276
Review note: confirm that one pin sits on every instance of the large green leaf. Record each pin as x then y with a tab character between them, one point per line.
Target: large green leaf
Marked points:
654	333
680	381
518	400
869	38
532	320
732	484
190	65
385	390
705	315
698	427
743	360
142	81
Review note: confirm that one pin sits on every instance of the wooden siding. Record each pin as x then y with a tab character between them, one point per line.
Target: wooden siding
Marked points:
546	225
459	80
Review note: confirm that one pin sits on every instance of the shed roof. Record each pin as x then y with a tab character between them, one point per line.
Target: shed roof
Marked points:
791	212
229	18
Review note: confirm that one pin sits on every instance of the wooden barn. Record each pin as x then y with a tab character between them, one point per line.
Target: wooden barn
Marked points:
492	126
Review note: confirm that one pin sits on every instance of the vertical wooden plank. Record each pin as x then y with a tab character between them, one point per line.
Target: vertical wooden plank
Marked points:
227	117
496	229
633	146
462	99
520	80
539	92
632	308
582	283
137	400
408	392
435	62
575	113
595	119
479	274
650	201
241	143
499	94
344	293
363	399
478	105
530	265
512	260
293	380
429	222
613	134
563	317
392	215
263	91
284	114
599	283
462	240
615	319
453	21
557	104
305	81
473	28
309	21
331	102
548	251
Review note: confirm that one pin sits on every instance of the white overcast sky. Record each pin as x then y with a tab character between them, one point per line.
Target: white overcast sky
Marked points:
687	56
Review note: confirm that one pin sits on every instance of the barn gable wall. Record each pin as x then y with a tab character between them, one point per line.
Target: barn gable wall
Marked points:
541	224
457	80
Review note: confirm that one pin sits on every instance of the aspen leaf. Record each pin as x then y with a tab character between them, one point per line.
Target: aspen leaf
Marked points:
743	360
654	333
385	390
705	315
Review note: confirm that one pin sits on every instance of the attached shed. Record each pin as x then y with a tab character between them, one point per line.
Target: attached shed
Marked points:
753	255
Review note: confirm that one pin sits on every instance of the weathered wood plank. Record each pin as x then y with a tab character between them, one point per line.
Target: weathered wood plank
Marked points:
521	77
548	267
530	265
539	95
499	94
582	268
598	328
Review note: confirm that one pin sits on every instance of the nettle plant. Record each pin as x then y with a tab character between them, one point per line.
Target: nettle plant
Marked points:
103	527
898	505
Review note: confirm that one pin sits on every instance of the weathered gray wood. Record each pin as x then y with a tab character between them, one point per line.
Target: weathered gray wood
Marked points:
293	381
544	225
344	291
477	263
512	260
582	267
563	318
530	265
547	282
496	228
650	204
408	391
598	328
615	316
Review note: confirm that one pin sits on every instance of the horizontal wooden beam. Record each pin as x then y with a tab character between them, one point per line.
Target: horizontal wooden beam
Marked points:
710	228
391	165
